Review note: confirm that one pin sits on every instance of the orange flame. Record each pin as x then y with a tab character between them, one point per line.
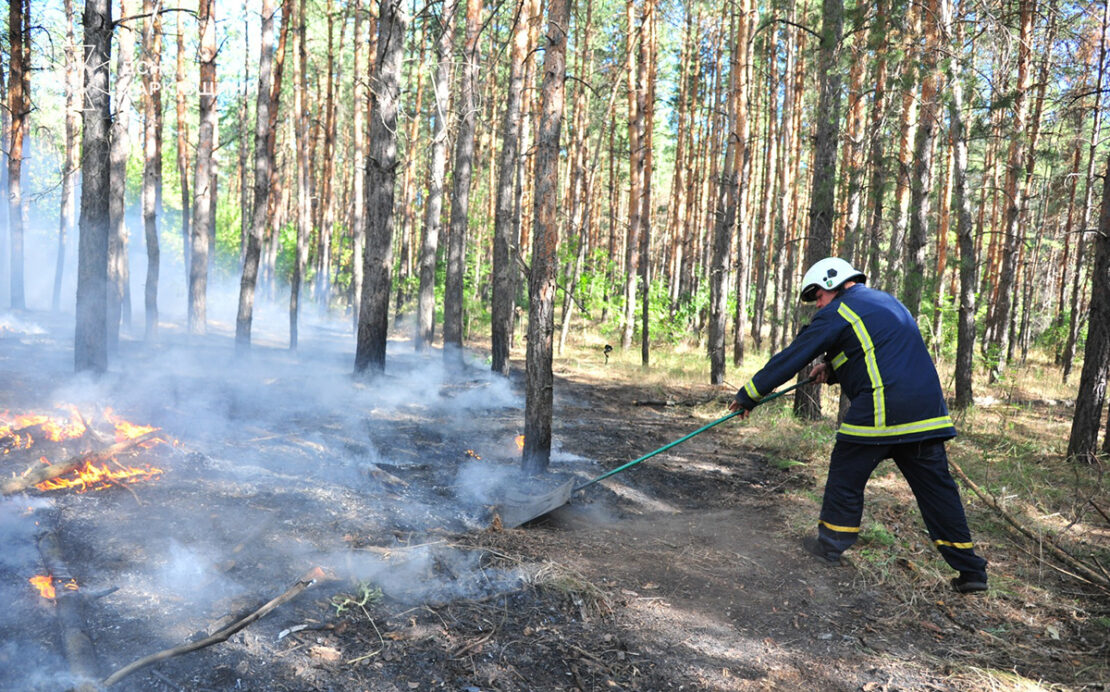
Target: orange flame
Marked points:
126	430
473	455
93	477
44	583
520	442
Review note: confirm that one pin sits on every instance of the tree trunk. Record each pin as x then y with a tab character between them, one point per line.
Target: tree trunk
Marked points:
19	105
635	179
205	202
647	70
728	192
381	175
965	328
181	93
539	383
67	217
1083	442
460	192
118	272
504	237
877	185
359	108
921	179
1080	259
90	349
1013	232
807	401
433	211
152	161
265	142
304	174
907	129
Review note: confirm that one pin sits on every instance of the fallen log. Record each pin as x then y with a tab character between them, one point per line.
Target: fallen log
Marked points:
38	474
311	577
1083	571
77	646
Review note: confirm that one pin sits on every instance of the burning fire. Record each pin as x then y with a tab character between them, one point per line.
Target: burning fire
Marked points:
520	442
126	430
15	434
473	455
93	477
44	583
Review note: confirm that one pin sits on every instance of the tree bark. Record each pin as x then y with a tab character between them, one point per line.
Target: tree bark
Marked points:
636	133
68	216
728	192
304	174
1096	133
504	240
460	192
433	211
205	202
265	142
539	383
807	401
181	102
1083	442
921	178
152	160
1013	233
381	174
19	105
91	338
965	328
118	272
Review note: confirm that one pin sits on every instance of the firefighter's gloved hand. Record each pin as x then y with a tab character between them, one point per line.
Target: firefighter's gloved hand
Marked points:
737	406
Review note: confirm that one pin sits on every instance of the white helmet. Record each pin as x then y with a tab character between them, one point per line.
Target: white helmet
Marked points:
830	274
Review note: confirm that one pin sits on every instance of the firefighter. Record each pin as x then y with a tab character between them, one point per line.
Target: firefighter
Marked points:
873	348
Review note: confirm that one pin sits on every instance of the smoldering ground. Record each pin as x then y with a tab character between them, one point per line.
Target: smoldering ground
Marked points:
274	461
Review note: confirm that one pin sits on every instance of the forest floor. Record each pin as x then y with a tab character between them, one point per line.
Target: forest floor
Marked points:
684	572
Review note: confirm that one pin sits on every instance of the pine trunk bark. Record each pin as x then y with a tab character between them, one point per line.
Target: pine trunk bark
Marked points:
91	334
539	382
807	400
19	106
921	179
265	143
504	236
460	191
381	180
965	232
152	161
1083	442
118	271
68	214
433	211
301	117
205	202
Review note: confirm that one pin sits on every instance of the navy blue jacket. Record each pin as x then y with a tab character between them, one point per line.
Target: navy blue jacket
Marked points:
879	358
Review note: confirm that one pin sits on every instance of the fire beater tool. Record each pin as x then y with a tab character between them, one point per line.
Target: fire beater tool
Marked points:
519	506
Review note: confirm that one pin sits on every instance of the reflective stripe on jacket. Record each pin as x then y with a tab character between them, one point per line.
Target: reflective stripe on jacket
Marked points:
878	356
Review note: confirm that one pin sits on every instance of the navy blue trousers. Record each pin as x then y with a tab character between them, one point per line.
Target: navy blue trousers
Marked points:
925	467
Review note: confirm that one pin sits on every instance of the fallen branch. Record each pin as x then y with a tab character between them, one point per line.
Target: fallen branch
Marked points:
80	654
311	577
39	474
1084	572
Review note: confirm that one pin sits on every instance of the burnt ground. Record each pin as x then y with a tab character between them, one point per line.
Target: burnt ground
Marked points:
681	573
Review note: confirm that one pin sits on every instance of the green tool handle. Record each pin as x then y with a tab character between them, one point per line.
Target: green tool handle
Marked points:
733	414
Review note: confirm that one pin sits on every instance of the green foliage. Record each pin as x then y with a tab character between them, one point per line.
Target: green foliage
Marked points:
877	534
365	594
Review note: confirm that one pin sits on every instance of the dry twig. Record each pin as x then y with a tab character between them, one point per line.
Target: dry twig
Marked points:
310	578
1083	571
